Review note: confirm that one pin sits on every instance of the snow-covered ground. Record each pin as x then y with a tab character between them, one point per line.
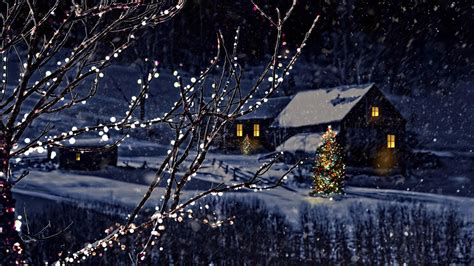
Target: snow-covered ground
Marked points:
125	187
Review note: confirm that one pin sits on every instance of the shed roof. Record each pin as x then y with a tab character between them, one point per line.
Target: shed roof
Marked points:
88	142
322	106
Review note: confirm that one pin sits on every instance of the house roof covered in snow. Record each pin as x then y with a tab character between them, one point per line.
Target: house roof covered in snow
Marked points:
88	142
267	110
315	107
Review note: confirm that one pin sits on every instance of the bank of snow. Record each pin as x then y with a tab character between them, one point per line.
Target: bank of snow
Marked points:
82	188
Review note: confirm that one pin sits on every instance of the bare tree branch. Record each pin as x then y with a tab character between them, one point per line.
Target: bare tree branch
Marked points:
200	120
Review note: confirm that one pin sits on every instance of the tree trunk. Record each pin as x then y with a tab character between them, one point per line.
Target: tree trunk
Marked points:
11	245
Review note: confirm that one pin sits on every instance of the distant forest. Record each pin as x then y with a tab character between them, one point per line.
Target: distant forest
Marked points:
402	44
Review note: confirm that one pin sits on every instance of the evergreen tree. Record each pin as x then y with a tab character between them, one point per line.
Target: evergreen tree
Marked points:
329	169
246	146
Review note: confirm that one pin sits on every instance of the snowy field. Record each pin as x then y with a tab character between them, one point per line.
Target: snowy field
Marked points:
125	186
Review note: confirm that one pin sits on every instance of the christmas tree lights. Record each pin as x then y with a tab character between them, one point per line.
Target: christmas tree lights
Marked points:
246	145
329	168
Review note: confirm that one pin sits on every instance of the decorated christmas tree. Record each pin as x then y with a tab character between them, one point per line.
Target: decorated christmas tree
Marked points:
329	169
246	146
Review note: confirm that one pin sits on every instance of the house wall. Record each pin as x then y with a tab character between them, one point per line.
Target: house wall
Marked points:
364	137
92	158
230	142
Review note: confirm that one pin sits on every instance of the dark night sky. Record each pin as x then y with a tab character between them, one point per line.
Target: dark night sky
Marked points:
397	39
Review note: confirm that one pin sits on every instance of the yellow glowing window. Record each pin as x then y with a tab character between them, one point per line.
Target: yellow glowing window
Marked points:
390	141
256	130
375	111
240	130
78	156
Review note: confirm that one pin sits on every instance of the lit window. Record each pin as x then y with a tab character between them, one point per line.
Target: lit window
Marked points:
78	156
390	141
240	130
256	130
375	111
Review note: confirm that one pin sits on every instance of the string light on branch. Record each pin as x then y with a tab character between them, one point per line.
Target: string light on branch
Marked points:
184	116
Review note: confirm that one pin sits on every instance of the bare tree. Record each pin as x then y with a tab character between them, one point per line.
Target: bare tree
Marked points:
197	120
206	105
34	34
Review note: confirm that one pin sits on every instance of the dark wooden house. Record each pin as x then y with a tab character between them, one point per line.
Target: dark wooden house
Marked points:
85	154
370	129
254	128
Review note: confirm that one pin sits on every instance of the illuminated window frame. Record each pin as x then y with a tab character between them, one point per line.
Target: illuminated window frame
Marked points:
78	156
256	130
390	141
375	111
240	130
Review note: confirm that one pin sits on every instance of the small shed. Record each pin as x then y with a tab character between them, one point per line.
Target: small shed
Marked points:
85	154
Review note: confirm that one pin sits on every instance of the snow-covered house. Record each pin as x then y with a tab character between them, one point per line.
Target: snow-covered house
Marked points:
370	129
85	154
